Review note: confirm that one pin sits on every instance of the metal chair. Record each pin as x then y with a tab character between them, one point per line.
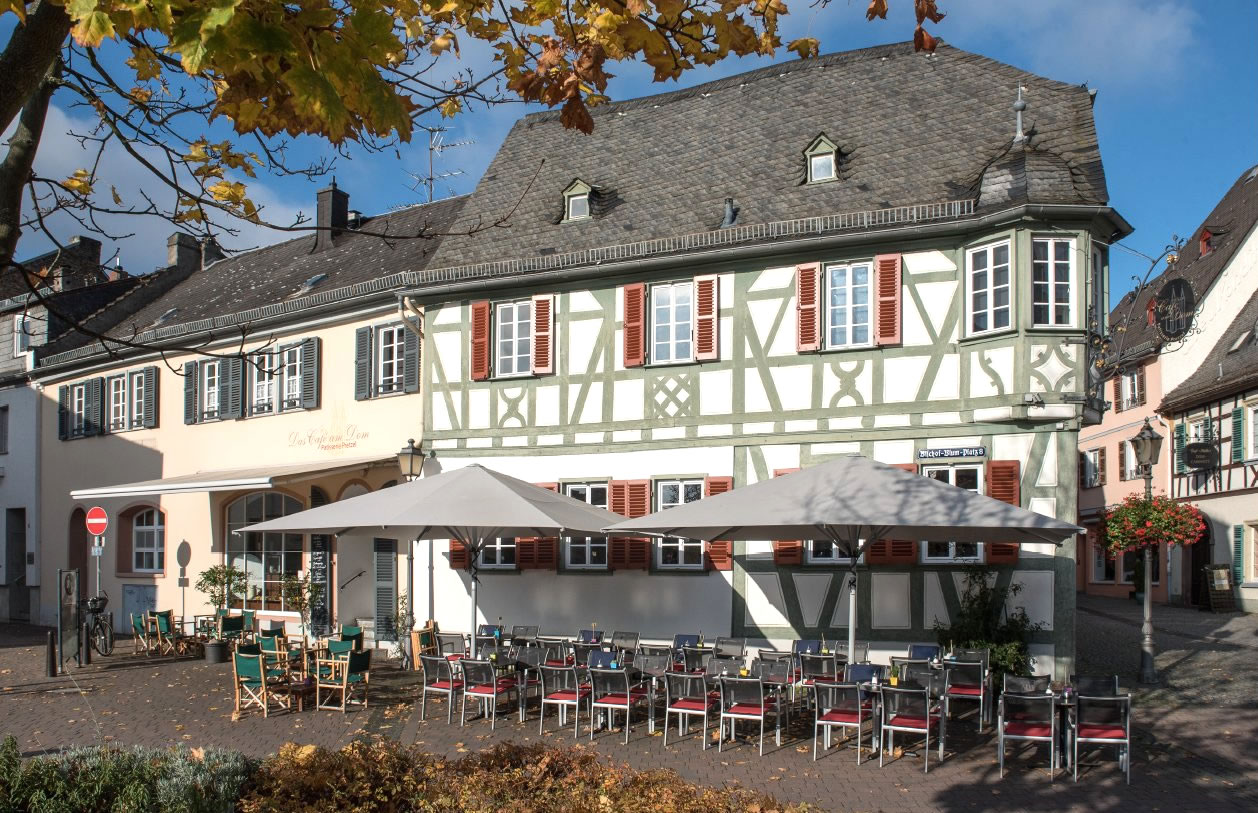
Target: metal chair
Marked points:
910	711
684	639
864	672
581	652
626	641
590	636
1095	685
525	632
742	698
481	680
452	645
653	668
438	679
687	695
528	664
656	649
966	680
813	668
1027	717
730	647
612	692
1033	684
560	686
839	705
1103	720
806	646
722	667
898	664
859	655
490	630
694	658
924	652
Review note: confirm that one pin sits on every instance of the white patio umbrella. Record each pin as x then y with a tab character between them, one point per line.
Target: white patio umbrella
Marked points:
851	501
470	504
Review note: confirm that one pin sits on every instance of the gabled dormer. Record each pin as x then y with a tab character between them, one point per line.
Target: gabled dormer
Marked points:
822	157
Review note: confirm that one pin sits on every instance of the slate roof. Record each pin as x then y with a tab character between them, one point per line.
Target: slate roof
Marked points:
275	273
1223	371
1230	222
911	129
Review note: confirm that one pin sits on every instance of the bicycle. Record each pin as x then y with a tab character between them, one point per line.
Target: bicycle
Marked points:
99	630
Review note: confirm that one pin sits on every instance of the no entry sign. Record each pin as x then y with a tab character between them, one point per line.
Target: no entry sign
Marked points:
97	521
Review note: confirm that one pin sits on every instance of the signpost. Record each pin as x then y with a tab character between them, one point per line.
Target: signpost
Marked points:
1201	456
97	523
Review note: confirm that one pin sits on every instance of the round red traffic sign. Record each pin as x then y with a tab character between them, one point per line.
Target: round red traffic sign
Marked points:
97	521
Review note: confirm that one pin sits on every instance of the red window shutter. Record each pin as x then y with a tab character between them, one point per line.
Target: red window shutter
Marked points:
543	334
538	552
719	553
1140	385
480	340
893	551
635	324
787	551
1100	467
1004	483
1118	393
707	318
459	559
629	498
888	269
526	552
808	307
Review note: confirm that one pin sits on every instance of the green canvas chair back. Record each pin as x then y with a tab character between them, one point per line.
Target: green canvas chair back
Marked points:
353	635
220	612
359	664
164	621
137	624
249	649
248	668
271	644
230	626
340	648
247	616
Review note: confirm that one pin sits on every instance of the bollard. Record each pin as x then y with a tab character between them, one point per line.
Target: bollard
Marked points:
50	660
85	646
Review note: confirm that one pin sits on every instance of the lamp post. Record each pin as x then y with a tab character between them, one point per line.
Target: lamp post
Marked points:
410	459
1148	446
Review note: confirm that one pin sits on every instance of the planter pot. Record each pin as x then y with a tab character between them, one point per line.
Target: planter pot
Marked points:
216	652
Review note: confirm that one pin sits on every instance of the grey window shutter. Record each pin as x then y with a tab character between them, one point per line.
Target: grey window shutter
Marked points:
63	412
410	361
386	588
190	411
1238	435
150	397
362	364
1181	440
310	373
1238	554
231	400
95	401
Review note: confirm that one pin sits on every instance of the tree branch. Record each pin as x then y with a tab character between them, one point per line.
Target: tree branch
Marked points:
29	54
15	170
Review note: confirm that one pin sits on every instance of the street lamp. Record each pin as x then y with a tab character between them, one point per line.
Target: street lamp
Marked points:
1148	447
410	460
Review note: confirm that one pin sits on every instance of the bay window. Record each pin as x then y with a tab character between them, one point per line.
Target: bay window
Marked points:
989	288
1052	282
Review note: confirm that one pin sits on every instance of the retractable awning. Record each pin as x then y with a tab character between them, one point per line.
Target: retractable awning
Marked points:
232	479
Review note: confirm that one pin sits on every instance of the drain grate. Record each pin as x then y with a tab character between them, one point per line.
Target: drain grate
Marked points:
68	690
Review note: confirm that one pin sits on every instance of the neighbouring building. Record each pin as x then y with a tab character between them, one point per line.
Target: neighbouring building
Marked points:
266	383
1219	262
728	282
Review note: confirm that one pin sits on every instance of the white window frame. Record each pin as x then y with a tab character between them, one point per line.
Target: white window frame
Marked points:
117	408
521	347
981	488
210	371
850	291
1092	470
1101	554
78	410
1127	459
135	391
1130	386
390	359
811	557
1098	291
673	306
826	152
255	553
585	492
989	309
148	539
262	384
1251	430
1053	284
499	547
290	377
576	202
21	334
671	543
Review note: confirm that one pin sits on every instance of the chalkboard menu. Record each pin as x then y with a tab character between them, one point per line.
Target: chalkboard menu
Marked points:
321	573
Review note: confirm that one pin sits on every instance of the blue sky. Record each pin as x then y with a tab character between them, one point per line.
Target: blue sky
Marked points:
1176	111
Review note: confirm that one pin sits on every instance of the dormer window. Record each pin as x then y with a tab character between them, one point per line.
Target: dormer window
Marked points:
822	157
1207	244
576	201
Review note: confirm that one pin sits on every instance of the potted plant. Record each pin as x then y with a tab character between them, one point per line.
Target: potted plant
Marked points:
219	583
300	596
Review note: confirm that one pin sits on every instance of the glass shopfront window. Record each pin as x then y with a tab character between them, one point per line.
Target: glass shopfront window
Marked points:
266	558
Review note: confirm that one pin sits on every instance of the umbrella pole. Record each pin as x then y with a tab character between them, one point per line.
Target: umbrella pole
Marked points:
474	553
851	616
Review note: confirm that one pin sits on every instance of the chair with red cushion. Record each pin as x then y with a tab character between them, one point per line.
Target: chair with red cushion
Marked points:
813	668
482	682
745	699
439	679
1103	721
562	687
839	705
1027	717
687	695
966	681
909	710
452	645
612	691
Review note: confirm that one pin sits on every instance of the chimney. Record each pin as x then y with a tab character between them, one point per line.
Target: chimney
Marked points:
210	251
182	252
731	214
332	217
78	264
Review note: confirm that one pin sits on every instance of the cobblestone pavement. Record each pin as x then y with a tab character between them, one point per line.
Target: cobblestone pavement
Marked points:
1182	761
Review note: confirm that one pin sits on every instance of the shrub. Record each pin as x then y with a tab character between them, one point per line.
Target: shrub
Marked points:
984	621
136	780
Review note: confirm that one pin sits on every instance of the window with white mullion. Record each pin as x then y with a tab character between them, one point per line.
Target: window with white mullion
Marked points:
390	364
1052	282
826	552
969	478
78	409
1131	388
1092	468
148	541
1252	420
498	553
290	373
117	403
990	288
847	307
587	552
136	397
209	389
674	552
262	393
672	322
513	338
